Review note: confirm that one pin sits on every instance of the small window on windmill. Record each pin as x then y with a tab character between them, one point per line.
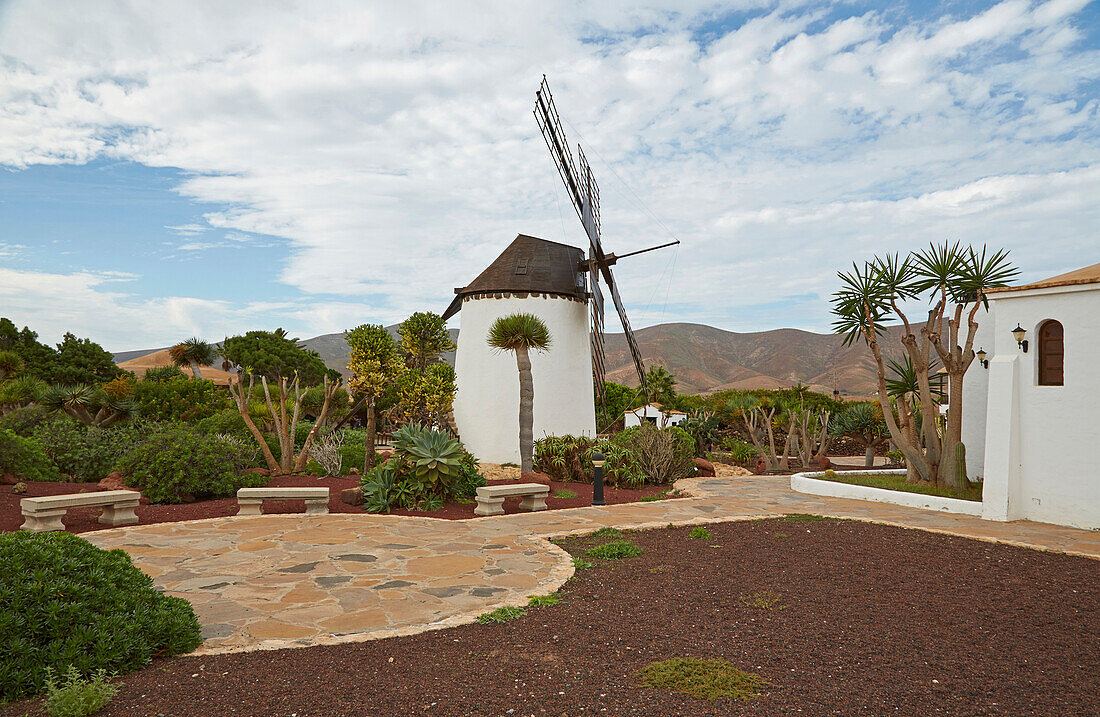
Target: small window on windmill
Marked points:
521	267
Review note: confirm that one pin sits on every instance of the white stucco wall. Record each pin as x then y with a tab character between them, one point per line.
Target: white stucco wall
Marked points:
486	406
814	484
1039	461
975	392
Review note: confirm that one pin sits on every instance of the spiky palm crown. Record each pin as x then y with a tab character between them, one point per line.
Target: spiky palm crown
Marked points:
515	331
192	350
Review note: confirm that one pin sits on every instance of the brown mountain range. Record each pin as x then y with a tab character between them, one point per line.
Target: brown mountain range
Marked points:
705	359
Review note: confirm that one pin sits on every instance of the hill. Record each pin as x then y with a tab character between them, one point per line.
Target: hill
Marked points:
705	359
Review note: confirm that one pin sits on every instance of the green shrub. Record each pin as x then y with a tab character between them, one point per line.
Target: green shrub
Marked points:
663	455
180	399
76	696
67	603
544	600
87	453
740	451
569	458
176	463
582	564
765	600
23	421
25	457
706	679
225	422
501	614
700	533
606	532
160	374
615	550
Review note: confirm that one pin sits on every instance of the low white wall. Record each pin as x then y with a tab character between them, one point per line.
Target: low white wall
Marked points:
813	484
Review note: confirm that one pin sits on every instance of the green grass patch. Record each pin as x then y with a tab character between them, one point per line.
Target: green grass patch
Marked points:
803	518
651	498
699	532
615	550
897	482
565	494
509	465
605	533
501	614
582	564
544	600
706	679
764	600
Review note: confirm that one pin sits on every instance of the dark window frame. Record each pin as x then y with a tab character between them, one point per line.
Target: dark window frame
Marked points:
1051	354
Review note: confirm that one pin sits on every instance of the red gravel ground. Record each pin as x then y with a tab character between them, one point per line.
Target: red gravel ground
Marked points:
875	620
80	520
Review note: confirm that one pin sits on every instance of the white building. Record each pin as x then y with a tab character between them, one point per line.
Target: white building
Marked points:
653	413
1031	420
532	276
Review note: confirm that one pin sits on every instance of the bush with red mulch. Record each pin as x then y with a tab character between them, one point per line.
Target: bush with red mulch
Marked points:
79	520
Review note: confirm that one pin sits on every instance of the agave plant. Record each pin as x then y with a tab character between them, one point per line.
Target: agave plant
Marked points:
435	456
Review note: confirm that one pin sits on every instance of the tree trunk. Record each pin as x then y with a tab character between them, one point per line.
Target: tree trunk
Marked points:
869	456
526	409
952	435
242	401
369	441
195	371
303	456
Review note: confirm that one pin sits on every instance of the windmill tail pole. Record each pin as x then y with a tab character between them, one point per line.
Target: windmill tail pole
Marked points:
643	251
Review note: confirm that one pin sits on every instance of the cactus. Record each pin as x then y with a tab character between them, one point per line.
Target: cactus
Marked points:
960	464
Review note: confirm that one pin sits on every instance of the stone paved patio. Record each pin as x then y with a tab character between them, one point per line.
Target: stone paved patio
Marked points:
277	581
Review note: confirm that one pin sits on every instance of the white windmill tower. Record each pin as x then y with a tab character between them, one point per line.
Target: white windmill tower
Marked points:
558	284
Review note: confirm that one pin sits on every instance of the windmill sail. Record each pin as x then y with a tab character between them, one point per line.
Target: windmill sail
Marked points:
584	194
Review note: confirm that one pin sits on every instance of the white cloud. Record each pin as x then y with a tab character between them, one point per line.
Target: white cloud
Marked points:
392	145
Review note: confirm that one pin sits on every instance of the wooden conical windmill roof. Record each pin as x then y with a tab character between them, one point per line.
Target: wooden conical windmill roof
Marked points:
528	265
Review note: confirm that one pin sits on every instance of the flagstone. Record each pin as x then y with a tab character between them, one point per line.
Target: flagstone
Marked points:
289	580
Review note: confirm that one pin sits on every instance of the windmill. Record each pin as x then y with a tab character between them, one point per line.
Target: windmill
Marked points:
585	197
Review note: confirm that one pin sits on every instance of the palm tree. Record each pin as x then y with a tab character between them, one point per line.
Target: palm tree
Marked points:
660	384
193	353
521	333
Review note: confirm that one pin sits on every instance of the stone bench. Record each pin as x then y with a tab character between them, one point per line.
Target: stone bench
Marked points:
490	498
45	512
251	500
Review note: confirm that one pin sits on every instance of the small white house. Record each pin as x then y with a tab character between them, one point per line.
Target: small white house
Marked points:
1031	415
653	413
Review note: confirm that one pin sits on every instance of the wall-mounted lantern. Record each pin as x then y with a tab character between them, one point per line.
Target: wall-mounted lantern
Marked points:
981	354
1019	334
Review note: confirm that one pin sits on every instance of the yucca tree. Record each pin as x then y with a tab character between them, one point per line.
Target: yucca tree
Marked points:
193	353
90	405
954	280
521	334
863	423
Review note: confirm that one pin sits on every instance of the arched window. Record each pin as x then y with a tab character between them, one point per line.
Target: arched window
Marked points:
1051	354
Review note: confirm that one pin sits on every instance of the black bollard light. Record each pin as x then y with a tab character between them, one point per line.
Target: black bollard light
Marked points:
597	479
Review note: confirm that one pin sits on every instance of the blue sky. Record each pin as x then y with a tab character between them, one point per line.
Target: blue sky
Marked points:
202	169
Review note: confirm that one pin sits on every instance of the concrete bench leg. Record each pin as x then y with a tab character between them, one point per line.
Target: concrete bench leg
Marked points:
44	520
250	506
119	514
489	506
317	506
533	502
